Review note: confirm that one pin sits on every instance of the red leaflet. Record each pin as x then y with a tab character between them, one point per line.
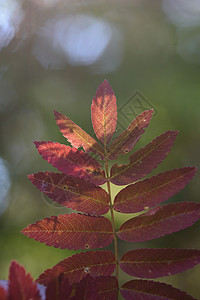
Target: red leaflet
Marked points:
107	287
76	135
3	294
152	191
86	289
58	289
21	285
72	161
74	231
144	160
104	113
152	263
160	221
76	267
127	140
72	192
146	290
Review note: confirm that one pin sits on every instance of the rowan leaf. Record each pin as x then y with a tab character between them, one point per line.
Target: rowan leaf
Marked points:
125	142
21	285
76	267
144	160
74	231
151	290
71	161
76	135
72	192
160	221
152	191
153	263
104	113
107	287
58	289
86	289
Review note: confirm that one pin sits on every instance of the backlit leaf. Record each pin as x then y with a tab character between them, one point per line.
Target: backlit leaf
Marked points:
152	263
86	289
107	287
58	289
74	231
127	140
72	192
160	221
3	294
104	113
151	290
21	285
144	160
72	161
152	191
76	267
76	135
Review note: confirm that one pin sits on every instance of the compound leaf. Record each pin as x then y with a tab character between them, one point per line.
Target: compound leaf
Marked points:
160	221
21	285
3	294
152	191
127	140
107	287
104	113
76	135
72	192
146	290
76	267
152	263
86	289
144	160
74	231
71	161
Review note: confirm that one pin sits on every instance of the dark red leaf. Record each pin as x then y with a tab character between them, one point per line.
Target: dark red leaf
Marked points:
152	263
86	289
104	113
21	285
72	161
72	192
3	293
76	135
151	290
144	160
76	267
160	221
107	287
127	140
58	289
74	231
152	191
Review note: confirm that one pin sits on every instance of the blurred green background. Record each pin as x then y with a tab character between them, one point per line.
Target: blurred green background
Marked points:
53	55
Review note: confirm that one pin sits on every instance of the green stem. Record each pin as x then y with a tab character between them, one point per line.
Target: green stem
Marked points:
112	217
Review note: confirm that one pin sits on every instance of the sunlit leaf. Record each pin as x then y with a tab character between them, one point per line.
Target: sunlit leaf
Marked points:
144	160
72	161
76	135
160	221
21	285
127	140
58	289
76	267
104	113
72	192
86	289
151	290
107	287
152	263
74	231
152	191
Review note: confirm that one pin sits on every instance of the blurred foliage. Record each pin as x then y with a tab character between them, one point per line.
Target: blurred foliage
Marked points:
148	62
